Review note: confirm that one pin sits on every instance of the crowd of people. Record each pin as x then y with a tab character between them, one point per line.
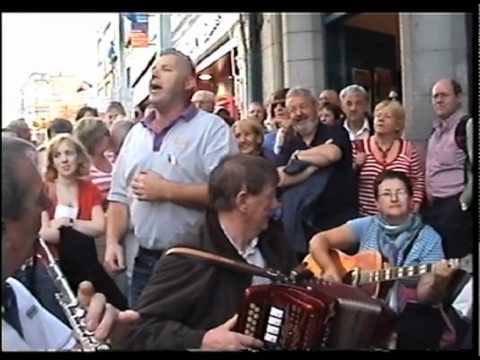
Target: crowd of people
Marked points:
302	175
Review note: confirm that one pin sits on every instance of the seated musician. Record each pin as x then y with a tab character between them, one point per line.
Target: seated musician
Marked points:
398	234
190	303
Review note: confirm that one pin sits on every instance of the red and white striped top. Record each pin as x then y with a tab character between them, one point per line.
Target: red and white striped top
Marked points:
407	161
102	179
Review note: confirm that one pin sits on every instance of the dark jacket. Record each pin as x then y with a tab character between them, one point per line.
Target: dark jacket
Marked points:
187	296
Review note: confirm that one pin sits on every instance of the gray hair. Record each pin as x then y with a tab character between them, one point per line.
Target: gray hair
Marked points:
14	188
239	172
204	95
353	89
303	92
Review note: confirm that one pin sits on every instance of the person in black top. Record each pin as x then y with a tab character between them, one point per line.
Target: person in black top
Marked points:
321	148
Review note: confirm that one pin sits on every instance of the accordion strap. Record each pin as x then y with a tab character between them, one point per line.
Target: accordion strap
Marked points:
225	262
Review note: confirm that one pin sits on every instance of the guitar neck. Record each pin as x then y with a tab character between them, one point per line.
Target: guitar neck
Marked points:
402	272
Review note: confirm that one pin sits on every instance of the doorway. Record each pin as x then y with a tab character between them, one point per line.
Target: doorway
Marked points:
365	49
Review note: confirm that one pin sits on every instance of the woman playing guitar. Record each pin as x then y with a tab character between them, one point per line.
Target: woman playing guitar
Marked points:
398	234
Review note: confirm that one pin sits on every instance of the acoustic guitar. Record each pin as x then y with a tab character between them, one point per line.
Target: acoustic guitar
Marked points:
368	270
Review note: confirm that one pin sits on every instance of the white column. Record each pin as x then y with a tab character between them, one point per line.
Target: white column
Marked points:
433	46
303	51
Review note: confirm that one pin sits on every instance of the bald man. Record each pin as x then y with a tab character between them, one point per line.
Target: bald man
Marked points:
445	171
21	129
328	96
204	100
164	164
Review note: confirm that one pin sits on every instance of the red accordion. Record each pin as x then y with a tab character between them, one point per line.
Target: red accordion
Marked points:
316	315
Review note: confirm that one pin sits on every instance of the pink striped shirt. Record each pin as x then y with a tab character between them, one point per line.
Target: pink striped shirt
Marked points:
407	161
102	179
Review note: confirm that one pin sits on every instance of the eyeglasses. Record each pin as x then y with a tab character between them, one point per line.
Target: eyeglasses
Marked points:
397	194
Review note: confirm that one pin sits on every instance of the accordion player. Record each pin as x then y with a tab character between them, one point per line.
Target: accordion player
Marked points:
314	316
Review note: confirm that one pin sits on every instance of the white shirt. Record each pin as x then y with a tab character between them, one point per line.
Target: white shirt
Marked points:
463	303
42	331
252	255
362	133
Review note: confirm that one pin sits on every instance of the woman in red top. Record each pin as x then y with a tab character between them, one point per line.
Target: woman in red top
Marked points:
386	150
75	201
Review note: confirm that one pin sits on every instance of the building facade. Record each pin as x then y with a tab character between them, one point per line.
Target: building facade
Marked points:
244	57
405	52
47	96
216	44
127	46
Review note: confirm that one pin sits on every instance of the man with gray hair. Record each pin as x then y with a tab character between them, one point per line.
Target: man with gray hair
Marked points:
204	100
321	147
358	123
20	128
191	304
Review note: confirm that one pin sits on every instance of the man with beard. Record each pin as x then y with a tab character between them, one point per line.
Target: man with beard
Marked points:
162	170
317	146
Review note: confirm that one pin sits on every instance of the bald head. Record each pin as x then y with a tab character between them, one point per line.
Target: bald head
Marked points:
446	94
328	96
204	100
21	129
119	131
182	60
173	81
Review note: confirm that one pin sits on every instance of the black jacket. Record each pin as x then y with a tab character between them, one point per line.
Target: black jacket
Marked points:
187	296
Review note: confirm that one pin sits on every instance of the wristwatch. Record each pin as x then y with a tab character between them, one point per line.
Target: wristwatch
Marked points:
295	154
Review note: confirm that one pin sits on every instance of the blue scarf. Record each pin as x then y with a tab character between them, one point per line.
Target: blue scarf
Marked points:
393	239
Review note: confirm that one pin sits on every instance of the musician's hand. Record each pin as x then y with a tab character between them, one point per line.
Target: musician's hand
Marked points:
103	318
114	258
223	338
432	286
150	186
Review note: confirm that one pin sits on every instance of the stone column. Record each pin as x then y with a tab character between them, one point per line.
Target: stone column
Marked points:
272	54
304	51
433	46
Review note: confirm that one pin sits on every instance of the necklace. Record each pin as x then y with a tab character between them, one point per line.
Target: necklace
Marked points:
384	151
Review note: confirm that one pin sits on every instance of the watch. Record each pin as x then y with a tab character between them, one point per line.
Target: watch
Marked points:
295	154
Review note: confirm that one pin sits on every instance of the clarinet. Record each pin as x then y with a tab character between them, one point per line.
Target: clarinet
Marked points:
74	312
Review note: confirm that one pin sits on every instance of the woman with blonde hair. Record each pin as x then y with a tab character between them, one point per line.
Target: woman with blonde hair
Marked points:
75	201
249	135
386	150
75	217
